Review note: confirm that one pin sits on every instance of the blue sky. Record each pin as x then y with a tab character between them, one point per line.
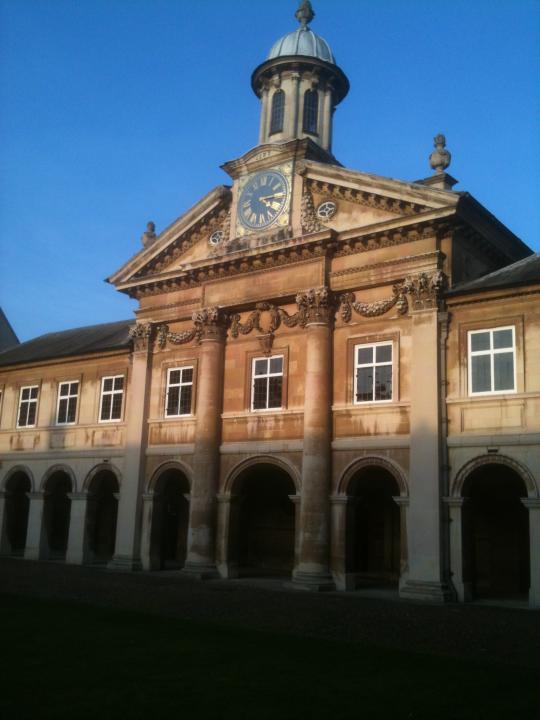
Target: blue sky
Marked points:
115	112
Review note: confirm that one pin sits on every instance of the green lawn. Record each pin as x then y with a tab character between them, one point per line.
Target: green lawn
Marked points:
73	661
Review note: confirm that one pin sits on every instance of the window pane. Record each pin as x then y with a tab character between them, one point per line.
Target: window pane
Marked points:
502	338
107	384
259	393
364	384
185	400
25	394
365	355
274	391
277	111
33	393
172	401
383	382
31	413
106	407
311	101
481	373
261	367
276	364
383	353
504	371
71	409
480	341
187	375
119	383
22	415
174	377
74	388
64	389
62	411
116	406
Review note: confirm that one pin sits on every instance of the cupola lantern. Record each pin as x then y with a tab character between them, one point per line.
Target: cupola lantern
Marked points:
299	86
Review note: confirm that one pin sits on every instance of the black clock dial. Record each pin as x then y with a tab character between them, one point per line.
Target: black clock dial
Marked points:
263	199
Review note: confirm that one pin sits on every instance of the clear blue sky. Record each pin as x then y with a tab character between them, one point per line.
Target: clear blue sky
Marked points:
115	112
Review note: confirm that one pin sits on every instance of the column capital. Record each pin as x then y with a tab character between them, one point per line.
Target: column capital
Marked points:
339	499
141	335
78	496
401	500
295	499
531	503
455	501
40	495
315	306
210	324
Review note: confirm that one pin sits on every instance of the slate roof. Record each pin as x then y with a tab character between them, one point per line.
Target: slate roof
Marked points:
78	341
522	272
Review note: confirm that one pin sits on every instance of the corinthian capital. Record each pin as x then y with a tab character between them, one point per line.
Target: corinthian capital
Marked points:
141	336
315	306
210	323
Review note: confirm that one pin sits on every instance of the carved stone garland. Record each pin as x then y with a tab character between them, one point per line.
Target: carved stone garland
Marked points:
313	306
308	216
424	289
208	323
141	335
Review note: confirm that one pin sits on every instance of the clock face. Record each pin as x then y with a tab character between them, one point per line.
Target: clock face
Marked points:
263	199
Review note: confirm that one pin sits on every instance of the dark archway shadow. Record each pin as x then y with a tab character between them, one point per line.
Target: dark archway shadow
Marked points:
262	522
373	532
17	509
56	514
170	520
102	516
496	550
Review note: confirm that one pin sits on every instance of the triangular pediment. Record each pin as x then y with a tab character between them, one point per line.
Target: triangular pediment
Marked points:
185	241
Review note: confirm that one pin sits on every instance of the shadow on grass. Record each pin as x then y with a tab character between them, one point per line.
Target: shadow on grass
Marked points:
62	660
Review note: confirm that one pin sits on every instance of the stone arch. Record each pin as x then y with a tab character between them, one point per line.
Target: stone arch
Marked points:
244	465
494	459
101	468
163	468
59	469
373	461
13	471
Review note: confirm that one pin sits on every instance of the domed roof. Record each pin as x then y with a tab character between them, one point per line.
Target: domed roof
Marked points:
303	41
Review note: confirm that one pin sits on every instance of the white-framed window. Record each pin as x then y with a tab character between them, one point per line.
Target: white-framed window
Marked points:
66	408
28	401
373	372
112	397
267	383
492	361
179	392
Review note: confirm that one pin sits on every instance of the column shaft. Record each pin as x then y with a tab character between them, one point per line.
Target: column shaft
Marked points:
36	542
533	504
202	511
313	570
77	549
5	545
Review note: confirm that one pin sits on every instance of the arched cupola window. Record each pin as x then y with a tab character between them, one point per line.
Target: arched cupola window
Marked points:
278	112
311	111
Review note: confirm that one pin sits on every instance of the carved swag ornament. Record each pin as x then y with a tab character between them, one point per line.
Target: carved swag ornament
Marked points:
141	335
208	323
424	289
313	306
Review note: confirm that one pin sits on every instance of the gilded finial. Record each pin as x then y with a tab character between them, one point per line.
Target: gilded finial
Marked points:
304	14
440	157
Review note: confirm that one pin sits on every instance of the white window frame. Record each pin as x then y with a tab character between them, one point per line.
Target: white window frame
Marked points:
67	397
268	375
373	365
112	393
30	400
180	385
491	352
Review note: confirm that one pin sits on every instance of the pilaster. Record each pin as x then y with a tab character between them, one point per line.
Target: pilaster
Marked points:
533	506
77	549
5	545
455	509
36	542
127	548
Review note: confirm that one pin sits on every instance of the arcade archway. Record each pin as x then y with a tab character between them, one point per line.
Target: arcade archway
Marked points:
262	522
170	520
56	513
102	515
496	550
16	508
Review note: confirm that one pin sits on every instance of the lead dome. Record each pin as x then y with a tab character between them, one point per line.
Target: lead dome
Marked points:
303	41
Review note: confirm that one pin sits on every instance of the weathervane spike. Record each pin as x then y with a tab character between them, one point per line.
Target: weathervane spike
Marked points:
304	14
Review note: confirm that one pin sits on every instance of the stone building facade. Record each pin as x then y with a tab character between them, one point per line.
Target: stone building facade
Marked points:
332	377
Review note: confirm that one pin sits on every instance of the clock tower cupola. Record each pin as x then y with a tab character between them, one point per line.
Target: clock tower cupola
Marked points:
299	86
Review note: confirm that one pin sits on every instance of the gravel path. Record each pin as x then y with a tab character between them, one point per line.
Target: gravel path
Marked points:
475	632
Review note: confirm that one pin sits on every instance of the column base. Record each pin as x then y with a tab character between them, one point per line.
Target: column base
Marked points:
311	582
124	563
426	591
201	571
